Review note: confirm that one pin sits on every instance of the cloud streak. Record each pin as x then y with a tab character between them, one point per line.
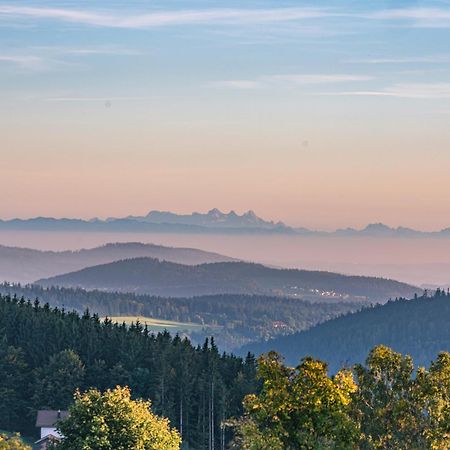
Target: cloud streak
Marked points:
290	79
432	59
237	84
23	61
318	78
50	58
417	17
404	90
97	99
163	18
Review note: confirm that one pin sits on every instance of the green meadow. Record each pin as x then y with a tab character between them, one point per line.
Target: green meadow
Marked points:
157	325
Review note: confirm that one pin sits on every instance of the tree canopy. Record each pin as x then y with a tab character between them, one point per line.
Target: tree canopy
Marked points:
384	404
47	353
233	319
397	409
12	443
298	408
113	421
417	327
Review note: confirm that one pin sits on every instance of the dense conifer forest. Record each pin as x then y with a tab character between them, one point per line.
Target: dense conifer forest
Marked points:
233	319
417	327
46	353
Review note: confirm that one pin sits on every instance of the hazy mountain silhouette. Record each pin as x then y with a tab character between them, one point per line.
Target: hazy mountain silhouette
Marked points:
212	222
26	265
150	276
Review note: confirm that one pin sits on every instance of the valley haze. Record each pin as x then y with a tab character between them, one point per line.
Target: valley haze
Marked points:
415	257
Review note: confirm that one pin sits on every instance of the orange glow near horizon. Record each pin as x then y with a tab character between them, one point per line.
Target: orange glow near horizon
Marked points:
318	177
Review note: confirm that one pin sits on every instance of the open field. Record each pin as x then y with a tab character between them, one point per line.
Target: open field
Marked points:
157	325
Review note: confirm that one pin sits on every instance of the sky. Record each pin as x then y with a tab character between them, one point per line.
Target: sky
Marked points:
322	114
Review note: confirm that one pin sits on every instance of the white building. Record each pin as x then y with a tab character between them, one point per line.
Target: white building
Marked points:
46	421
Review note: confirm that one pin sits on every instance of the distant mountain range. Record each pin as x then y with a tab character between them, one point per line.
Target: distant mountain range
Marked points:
212	222
162	278
417	327
26	265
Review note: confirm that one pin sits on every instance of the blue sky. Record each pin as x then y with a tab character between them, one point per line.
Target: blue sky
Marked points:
352	48
312	99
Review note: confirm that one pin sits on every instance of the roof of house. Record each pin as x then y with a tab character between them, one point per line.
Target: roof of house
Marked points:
48	438
48	418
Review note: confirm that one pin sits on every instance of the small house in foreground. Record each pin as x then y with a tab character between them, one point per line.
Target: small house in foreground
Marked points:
45	442
47	421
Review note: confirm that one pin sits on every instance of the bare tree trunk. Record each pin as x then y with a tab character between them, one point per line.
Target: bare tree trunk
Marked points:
212	416
181	417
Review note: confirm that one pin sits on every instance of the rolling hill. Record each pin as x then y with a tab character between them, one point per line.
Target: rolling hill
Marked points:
26	265
151	276
418	327
233	320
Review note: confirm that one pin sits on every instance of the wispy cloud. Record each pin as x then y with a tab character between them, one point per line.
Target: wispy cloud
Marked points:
418	17
106	99
163	18
289	79
237	84
404	90
318	78
38	63
52	58
84	51
23	61
432	59
421	17
92	51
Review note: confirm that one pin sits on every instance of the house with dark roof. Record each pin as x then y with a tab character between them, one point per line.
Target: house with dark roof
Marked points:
47	421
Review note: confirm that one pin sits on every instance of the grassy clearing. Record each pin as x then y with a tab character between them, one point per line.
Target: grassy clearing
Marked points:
159	324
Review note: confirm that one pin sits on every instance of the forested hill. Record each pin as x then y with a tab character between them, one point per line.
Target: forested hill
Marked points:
25	265
45	354
151	276
418	327
234	320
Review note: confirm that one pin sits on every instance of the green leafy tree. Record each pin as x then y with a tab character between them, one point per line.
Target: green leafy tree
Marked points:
433	387
298	408
398	409
113	421
12	443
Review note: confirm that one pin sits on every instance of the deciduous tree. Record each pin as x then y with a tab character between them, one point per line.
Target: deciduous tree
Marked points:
12	443
299	408
113	421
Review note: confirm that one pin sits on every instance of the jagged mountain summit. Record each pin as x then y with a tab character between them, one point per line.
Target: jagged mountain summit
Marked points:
212	222
213	218
382	230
